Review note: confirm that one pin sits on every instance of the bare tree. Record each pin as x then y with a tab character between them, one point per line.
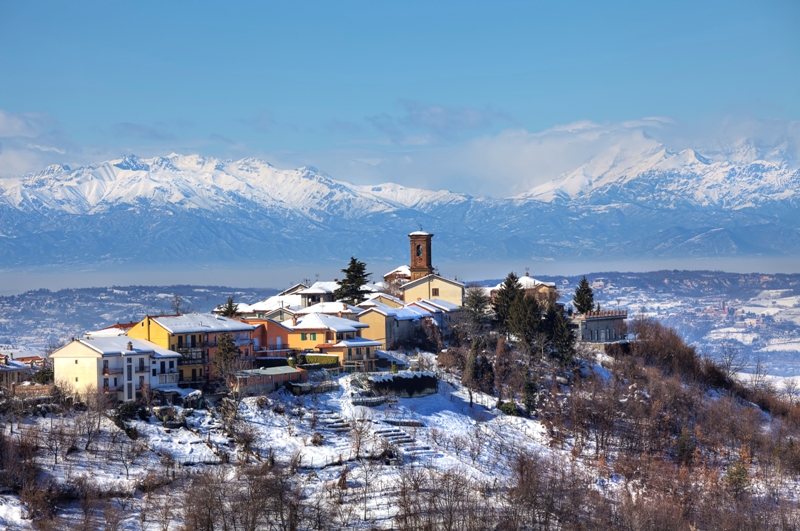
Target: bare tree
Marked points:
368	471
176	304
358	432
128	453
731	360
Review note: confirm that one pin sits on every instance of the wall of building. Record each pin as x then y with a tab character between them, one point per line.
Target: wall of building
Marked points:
78	366
381	327
447	291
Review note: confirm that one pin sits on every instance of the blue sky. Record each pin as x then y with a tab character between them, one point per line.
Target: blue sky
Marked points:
447	94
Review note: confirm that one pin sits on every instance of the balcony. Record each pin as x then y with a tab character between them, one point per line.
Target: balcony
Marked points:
142	369
168	378
111	389
200	360
108	372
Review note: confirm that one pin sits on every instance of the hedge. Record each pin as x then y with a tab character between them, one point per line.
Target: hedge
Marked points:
326	360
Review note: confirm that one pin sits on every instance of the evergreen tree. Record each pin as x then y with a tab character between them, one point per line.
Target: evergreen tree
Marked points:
584	297
563	341
476	304
471	374
525	321
510	291
531	399
351	287
230	309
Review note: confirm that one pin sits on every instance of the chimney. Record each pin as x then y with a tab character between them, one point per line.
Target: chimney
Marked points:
344	306
339	314
130	346
527	274
294	320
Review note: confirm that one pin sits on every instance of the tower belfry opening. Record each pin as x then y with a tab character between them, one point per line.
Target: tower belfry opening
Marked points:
421	265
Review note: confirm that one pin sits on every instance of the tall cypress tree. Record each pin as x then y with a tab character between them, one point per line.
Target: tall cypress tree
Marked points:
355	277
509	292
584	297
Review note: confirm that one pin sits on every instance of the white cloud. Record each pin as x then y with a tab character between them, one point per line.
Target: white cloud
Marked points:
23	124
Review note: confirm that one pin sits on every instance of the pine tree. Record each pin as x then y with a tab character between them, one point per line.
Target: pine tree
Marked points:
509	292
476	304
227	358
230	309
563	341
355	277
471	371
525	321
584	297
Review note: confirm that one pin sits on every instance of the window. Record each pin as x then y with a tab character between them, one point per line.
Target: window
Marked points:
313	337
76	378
303	337
154	372
435	292
171	364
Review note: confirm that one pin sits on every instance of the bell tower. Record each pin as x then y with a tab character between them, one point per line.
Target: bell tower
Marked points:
420	254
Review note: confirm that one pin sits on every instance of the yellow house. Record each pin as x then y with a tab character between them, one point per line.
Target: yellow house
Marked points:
118	366
329	334
434	287
315	329
195	337
389	325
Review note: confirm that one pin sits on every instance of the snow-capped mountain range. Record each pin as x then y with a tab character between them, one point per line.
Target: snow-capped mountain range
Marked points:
633	201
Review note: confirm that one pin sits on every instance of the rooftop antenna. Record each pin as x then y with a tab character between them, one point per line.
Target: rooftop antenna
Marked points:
316	275
420	227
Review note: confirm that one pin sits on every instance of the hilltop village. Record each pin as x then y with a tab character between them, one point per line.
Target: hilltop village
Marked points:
411	402
254	349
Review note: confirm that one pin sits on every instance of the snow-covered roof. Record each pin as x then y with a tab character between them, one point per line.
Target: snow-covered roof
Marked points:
321	321
403	270
404	313
293	289
320	288
201	322
269	371
273	303
375	295
443	304
357	342
435	305
528	282
420	233
118	346
13	365
331	308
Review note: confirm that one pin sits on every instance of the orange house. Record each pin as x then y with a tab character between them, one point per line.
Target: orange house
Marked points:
270	338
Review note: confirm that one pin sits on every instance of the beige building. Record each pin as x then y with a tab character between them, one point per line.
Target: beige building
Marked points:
434	287
388	325
119	366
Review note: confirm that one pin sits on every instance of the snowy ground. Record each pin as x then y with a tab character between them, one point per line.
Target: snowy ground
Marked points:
438	432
